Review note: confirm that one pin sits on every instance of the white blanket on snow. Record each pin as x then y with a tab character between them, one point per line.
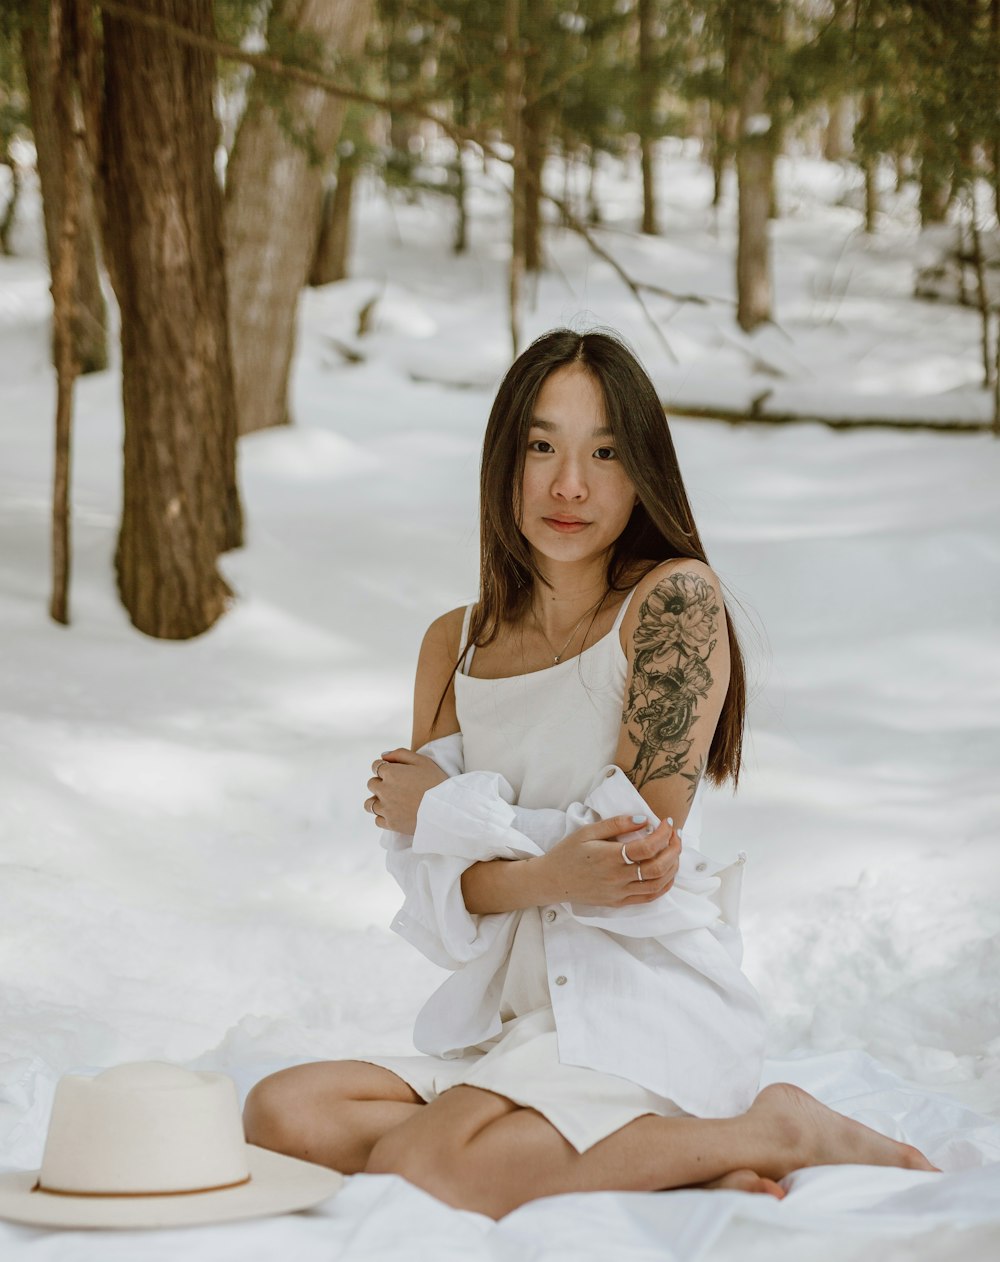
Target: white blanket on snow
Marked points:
374	1218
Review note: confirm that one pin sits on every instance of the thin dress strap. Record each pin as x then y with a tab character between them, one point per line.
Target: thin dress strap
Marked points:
464	667
624	606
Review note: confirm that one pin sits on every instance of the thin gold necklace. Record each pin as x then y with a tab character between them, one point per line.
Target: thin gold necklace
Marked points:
558	656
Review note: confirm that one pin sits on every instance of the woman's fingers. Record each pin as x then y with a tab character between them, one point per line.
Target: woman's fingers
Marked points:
648	846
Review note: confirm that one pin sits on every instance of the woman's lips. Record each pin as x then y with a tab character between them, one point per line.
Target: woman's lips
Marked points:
565	527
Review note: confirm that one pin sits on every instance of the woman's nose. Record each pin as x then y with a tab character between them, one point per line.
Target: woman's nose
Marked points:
569	481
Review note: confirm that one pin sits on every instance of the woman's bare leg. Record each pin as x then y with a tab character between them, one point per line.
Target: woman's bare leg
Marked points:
477	1150
331	1112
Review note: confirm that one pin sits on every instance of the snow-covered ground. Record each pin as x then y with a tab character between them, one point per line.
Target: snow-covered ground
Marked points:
187	871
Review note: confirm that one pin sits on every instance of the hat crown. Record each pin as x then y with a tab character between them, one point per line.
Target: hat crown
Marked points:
149	1128
145	1073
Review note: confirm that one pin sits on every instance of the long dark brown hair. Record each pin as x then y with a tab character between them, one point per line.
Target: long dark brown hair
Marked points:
660	528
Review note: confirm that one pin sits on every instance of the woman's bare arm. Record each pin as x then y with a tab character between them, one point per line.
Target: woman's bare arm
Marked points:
494	885
678	677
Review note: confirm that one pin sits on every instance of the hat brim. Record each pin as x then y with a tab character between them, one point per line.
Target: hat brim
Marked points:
278	1185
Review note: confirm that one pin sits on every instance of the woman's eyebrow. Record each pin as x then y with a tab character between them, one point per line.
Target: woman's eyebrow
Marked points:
538	423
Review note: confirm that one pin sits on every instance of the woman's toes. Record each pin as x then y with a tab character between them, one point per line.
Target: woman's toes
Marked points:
747	1181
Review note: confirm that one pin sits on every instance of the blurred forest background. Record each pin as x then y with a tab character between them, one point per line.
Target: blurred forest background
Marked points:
197	162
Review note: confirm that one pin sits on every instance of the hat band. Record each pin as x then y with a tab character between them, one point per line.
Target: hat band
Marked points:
182	1192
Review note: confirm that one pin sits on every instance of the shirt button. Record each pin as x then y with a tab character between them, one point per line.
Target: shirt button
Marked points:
560	980
550	915
609	774
700	867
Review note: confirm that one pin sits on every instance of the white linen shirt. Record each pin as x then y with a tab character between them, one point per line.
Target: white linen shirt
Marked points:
652	992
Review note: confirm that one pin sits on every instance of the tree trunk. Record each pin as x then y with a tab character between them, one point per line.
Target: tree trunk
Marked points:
593	206
995	139
869	163
461	238
163	218
90	313
273	206
534	133
756	33
647	93
935	183
10	210
333	246
837	135
725	129
513	115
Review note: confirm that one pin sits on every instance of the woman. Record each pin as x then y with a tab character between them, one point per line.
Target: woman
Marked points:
596	1032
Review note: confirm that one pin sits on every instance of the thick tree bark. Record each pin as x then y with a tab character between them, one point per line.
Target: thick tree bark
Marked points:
90	313
756	33
333	246
647	93
163	220
273	206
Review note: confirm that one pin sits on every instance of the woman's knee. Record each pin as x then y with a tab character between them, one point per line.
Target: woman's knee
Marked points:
271	1111
416	1153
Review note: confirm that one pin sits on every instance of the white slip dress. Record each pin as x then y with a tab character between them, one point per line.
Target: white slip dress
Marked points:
547	732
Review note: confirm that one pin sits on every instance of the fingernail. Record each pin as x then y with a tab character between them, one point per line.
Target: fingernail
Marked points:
670	821
639	819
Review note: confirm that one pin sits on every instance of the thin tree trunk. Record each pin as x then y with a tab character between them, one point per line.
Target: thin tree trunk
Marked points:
725	130
836	136
995	145
461	238
90	318
333	246
163	217
273	206
593	206
982	296
10	210
66	130
533	132
513	113
869	164
935	185
755	33
647	93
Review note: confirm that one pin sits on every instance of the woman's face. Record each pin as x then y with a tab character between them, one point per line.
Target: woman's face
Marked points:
572	470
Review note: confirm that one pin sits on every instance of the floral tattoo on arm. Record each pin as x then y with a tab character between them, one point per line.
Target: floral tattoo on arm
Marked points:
677	631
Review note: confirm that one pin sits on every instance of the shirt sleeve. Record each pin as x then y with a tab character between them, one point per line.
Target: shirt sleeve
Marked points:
464	820
692	902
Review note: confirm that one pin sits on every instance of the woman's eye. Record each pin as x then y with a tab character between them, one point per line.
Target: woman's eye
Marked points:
613	455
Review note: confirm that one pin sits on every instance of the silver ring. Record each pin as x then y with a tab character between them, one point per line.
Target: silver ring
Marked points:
638	871
379	764
624	855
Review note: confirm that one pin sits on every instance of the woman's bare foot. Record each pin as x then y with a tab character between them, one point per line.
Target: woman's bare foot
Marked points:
810	1134
746	1181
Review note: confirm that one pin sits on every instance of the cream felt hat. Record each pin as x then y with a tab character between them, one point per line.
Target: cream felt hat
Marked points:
150	1144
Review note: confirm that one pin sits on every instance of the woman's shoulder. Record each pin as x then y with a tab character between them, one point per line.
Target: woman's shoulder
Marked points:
445	632
670	572
678	584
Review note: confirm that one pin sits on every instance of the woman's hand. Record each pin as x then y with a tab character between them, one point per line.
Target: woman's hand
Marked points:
587	866
400	781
